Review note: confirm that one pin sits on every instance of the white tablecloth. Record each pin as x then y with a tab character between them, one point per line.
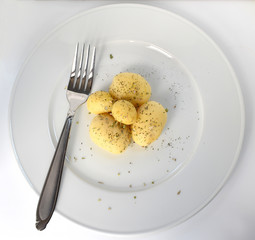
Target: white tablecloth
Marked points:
230	216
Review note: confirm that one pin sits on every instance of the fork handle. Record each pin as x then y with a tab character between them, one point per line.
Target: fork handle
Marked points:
49	194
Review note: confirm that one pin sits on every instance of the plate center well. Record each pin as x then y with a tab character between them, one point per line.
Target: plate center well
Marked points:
137	168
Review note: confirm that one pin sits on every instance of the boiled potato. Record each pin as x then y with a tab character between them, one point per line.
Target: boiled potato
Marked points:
151	119
109	134
124	112
131	87
100	102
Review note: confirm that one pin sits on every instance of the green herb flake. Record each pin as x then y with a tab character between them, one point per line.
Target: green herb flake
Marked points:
111	56
166	109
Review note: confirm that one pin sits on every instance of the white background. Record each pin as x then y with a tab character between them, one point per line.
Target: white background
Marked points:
230	216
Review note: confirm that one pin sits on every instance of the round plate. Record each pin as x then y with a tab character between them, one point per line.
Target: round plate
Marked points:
142	189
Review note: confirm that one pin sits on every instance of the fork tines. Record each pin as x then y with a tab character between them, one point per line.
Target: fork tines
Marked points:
81	77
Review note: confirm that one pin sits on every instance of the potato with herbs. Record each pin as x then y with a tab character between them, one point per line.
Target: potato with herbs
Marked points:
131	87
151	119
124	112
109	134
100	102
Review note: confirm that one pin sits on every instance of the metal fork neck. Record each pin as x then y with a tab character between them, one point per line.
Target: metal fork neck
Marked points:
70	113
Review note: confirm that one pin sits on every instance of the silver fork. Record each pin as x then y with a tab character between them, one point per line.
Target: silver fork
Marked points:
78	90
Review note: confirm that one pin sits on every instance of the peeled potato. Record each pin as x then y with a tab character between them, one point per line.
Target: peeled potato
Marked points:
108	134
124	112
151	119
131	87
100	102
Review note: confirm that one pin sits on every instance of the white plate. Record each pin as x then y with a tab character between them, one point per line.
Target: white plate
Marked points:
142	189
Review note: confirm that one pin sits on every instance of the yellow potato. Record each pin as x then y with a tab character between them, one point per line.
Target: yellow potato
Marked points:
131	87
109	134
124	112
100	102
151	119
